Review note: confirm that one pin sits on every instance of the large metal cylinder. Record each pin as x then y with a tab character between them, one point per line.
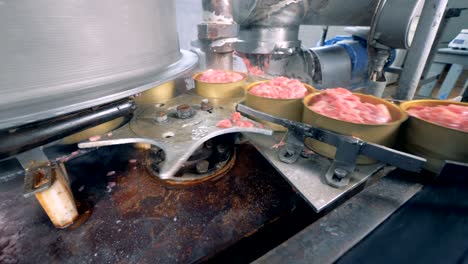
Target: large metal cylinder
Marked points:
63	56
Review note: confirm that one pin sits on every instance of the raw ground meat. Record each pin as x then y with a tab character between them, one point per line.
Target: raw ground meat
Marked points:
236	116
453	116
342	104
236	121
219	76
280	88
225	123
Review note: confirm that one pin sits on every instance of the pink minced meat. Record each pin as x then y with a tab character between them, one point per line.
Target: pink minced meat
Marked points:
236	120
225	123
342	104
280	88
219	76
452	116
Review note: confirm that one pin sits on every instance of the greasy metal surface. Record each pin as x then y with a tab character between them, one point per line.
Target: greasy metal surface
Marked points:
307	174
329	238
179	138
141	219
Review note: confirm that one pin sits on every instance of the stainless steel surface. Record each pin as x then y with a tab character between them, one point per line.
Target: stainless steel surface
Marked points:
217	11
178	138
17	113
377	81
431	16
395	22
268	40
307	12
340	13
216	34
330	237
60	57
332	67
270	13
306	175
376	88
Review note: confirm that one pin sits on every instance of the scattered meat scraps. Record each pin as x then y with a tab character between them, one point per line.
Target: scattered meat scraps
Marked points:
342	104
225	123
110	173
94	138
280	88
132	160
236	116
236	120
219	76
452	116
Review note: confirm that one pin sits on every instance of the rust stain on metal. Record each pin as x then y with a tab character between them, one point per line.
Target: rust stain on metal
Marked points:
145	220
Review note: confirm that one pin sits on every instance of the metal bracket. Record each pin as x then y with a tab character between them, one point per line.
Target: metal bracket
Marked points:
348	148
291	151
177	137
39	171
343	166
38	179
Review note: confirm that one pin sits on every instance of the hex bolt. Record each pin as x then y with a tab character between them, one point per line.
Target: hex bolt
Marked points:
161	117
340	173
184	111
221	148
202	166
205	105
209	144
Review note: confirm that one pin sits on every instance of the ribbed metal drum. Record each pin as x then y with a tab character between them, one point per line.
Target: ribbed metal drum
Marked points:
61	56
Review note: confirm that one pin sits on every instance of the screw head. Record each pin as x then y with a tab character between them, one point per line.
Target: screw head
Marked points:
340	173
184	111
161	117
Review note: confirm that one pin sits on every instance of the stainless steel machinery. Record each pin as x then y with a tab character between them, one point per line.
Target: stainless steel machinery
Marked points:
70	66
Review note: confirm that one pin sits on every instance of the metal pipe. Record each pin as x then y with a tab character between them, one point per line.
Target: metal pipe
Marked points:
31	136
324	35
431	16
215	11
215	32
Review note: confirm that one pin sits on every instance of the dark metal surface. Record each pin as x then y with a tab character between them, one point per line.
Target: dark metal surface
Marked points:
330	237
142	219
34	135
431	228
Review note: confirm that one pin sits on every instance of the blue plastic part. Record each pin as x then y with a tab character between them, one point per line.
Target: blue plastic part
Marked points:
356	47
